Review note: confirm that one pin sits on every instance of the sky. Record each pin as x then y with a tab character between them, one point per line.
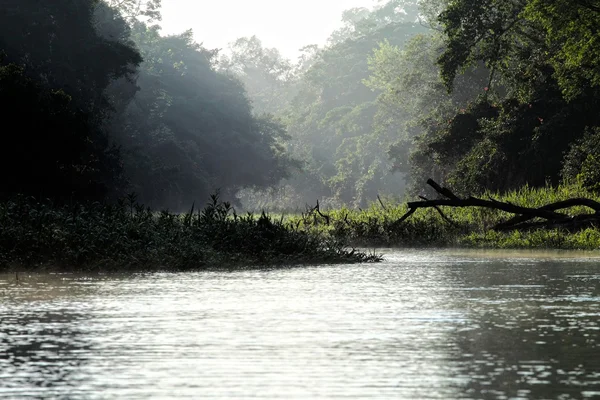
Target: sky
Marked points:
284	24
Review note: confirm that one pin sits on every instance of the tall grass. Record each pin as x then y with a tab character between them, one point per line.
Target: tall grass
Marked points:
471	227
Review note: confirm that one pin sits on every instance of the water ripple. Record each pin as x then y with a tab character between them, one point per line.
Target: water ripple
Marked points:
424	324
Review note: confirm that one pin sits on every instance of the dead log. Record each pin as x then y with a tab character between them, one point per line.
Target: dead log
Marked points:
441	190
549	213
561	205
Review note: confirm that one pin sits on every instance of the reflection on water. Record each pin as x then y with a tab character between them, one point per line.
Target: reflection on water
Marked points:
424	324
40	351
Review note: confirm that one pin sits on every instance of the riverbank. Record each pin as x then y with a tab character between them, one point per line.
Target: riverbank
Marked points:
40	235
470	227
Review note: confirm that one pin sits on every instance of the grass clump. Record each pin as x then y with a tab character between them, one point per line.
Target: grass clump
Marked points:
588	239
127	236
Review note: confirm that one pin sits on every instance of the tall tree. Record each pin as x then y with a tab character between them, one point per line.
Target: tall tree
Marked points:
191	129
514	134
56	68
267	76
333	118
134	10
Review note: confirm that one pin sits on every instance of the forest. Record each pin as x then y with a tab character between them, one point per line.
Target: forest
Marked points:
482	96
479	95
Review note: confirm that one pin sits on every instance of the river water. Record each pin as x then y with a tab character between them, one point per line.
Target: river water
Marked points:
422	324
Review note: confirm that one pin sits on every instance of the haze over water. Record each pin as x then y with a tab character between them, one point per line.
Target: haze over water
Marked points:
424	324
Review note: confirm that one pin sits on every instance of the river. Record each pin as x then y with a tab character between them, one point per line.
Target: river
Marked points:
423	324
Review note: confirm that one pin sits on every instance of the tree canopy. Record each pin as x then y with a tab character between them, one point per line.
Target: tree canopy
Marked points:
477	94
102	104
481	95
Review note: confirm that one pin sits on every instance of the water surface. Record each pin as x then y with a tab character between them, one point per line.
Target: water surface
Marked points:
423	324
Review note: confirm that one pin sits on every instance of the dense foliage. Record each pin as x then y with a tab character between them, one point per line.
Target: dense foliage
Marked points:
480	95
52	149
101	104
542	83
52	98
190	130
336	124
127	236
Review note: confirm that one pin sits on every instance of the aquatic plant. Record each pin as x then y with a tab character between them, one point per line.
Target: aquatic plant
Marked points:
126	236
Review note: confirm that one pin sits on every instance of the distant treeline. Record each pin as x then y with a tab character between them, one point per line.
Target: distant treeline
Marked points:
479	95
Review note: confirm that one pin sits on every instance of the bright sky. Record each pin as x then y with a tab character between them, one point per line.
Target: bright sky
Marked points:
284	24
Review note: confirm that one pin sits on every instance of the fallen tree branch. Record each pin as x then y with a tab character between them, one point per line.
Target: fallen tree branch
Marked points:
381	202
444	217
553	219
443	191
594	205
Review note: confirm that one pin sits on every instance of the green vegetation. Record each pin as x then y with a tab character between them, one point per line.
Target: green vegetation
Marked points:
127	236
478	95
469	227
482	96
99	104
330	108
